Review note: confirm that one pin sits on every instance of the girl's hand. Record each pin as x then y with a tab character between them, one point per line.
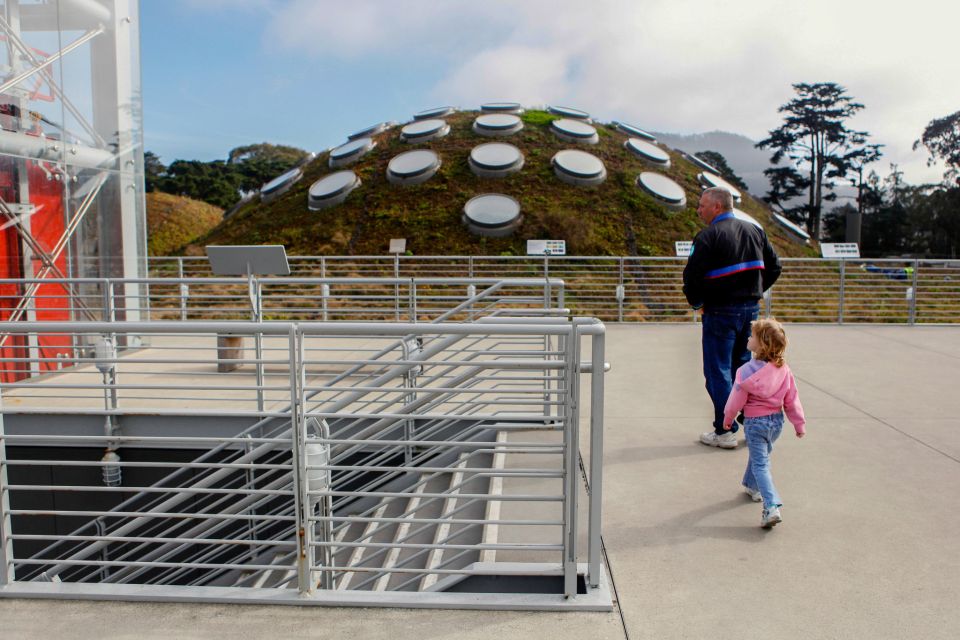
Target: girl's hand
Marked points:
800	435
726	427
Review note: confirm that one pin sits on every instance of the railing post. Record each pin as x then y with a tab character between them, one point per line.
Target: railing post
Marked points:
184	295
571	467
301	501
843	280
6	542
108	313
621	292
413	300
597	360
256	302
324	296
913	291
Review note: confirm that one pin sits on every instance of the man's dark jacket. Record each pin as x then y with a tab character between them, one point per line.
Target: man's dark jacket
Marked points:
731	261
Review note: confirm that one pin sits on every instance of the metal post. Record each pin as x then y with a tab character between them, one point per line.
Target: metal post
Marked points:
913	297
324	306
843	279
184	294
256	302
413	300
301	502
571	466
596	458
621	293
6	542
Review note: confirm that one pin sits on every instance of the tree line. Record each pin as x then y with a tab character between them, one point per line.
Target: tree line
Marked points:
222	182
815	151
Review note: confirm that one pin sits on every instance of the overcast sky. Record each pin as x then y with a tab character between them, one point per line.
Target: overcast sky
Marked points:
222	73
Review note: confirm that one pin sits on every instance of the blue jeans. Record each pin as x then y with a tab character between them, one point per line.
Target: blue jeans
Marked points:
726	330
761	433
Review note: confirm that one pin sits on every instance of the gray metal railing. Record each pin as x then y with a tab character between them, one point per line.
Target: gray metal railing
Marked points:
379	457
648	289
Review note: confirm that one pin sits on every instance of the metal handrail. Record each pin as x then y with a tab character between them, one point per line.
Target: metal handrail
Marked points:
647	289
453	364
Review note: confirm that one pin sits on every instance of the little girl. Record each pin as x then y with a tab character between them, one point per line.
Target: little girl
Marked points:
763	388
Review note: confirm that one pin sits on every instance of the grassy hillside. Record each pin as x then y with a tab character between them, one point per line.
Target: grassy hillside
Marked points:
174	221
615	218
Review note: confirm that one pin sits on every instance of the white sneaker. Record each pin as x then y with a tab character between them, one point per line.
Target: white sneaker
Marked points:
770	517
726	441
754	495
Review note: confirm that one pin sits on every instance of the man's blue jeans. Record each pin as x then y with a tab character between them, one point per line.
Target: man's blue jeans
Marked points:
762	432
726	330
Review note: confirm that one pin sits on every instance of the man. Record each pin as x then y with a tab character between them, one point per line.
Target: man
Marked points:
731	264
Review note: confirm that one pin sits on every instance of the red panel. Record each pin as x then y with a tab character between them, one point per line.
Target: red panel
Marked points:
47	226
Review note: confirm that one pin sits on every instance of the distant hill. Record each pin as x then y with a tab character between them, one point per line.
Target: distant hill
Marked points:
612	219
175	221
743	157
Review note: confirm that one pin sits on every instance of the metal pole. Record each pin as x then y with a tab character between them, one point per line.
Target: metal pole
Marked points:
596	458
257	301
913	290
621	291
571	466
413	300
301	502
843	279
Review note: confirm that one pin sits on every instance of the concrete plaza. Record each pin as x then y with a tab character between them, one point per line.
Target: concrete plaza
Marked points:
869	546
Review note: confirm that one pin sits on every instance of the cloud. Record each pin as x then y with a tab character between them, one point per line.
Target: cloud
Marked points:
669	65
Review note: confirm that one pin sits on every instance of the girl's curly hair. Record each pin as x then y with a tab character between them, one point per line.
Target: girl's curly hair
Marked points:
771	339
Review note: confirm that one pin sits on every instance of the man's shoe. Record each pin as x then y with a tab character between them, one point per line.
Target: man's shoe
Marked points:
754	495
770	517
726	441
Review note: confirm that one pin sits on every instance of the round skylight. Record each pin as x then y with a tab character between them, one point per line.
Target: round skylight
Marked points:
348	153
663	189
331	190
495	160
631	130
746	217
794	230
574	131
569	112
492	214
371	131
280	184
424	130
578	167
436	112
502	107
708	179
413	167
647	151
700	163
497	124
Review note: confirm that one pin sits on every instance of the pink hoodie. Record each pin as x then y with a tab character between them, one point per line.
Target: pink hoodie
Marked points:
762	388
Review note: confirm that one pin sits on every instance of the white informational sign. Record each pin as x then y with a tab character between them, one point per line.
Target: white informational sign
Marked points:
839	250
683	248
397	245
546	247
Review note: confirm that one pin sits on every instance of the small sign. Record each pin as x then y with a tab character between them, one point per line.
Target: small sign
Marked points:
683	248
397	245
546	247
839	250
